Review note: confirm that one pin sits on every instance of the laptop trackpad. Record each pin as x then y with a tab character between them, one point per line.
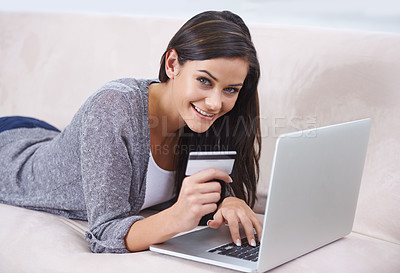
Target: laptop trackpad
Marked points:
196	242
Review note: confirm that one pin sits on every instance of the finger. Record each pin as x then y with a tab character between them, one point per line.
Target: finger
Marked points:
217	221
209	198
248	229
209	175
194	189
209	187
258	225
208	208
234	230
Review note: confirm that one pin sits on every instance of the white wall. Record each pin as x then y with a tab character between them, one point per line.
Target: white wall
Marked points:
374	15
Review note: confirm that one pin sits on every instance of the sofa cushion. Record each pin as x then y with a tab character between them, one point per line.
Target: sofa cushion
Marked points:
36	241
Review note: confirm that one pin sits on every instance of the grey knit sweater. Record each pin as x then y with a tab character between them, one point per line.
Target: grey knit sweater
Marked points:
94	170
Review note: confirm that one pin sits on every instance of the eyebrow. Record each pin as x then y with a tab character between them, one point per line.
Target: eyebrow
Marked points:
215	79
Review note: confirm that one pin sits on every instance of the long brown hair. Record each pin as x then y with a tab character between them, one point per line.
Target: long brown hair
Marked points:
209	35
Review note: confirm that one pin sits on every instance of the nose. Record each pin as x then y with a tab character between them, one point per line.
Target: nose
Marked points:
214	102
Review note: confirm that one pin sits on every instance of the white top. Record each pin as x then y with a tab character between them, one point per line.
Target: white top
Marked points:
159	185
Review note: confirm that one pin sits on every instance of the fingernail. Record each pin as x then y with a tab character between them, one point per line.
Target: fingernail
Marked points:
231	180
253	242
208	222
238	242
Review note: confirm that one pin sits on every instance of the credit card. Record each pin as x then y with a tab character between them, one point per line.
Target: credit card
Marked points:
222	160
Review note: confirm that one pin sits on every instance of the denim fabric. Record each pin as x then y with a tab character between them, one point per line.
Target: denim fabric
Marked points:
15	122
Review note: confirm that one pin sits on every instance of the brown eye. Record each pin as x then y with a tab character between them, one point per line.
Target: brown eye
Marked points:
231	90
204	81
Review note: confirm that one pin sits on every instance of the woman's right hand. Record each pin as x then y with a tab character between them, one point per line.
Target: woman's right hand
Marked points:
198	197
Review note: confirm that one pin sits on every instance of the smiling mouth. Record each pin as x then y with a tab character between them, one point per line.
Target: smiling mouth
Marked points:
201	112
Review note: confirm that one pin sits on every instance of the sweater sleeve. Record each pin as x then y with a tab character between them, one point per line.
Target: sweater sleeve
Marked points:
107	171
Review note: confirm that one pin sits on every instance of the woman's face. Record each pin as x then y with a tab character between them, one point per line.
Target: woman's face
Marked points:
206	90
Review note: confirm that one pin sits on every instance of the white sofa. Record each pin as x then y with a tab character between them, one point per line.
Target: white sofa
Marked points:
50	63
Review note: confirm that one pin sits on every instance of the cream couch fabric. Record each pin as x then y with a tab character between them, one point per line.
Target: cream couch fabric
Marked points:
50	63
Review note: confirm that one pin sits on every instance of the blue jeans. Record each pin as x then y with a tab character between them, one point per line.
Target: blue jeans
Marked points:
14	122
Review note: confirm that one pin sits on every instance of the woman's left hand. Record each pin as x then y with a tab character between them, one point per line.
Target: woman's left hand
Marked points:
234	211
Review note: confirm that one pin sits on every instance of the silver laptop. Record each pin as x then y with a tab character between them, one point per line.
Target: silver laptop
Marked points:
313	192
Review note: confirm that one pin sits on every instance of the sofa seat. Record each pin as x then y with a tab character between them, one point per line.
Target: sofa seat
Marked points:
44	242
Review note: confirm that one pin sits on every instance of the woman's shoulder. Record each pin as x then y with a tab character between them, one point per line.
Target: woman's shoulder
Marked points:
117	99
120	91
139	86
125	97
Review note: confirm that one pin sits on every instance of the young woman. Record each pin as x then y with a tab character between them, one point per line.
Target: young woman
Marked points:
127	146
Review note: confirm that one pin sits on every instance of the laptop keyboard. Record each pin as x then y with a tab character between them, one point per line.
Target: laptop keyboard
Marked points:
245	251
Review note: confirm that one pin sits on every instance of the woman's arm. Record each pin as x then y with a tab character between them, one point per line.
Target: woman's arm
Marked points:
197	198
151	230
